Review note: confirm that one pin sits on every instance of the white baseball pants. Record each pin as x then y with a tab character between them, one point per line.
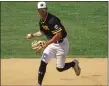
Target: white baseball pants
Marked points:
58	50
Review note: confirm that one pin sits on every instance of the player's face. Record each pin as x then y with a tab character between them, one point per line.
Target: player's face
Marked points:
42	12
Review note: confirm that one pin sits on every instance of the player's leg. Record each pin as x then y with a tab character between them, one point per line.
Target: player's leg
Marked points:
61	65
62	52
46	57
42	71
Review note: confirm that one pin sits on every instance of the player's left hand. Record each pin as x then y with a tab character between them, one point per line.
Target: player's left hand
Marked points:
38	46
45	45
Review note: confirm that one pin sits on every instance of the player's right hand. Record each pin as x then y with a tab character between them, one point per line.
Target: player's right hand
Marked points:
29	36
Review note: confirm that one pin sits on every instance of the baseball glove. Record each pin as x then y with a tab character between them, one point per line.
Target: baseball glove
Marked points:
38	45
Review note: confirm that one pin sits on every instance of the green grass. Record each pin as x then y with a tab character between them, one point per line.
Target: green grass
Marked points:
86	24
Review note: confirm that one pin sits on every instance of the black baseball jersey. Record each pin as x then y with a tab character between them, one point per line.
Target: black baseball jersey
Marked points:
51	26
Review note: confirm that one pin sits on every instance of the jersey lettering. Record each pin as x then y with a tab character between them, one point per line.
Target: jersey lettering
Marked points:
56	27
45	27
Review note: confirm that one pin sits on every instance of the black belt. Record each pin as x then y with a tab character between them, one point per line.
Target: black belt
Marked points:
60	41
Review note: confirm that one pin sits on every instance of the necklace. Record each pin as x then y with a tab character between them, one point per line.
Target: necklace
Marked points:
45	18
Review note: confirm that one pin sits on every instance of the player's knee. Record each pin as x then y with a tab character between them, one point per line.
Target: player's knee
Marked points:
59	69
45	57
43	63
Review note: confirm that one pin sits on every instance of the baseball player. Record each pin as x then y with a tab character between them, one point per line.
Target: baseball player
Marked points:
57	44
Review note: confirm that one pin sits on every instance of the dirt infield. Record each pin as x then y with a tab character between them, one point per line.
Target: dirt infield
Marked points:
24	72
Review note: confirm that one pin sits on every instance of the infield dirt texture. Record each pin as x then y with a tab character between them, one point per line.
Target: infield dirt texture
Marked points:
87	26
24	72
